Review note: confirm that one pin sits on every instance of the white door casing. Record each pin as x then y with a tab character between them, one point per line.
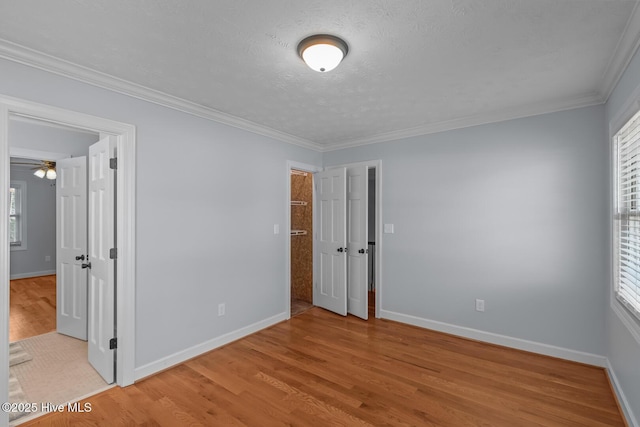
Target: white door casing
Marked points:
101	273
330	290
126	213
357	240
71	247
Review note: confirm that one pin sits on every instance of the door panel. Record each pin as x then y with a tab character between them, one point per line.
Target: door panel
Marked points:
330	291
357	241
71	242
101	275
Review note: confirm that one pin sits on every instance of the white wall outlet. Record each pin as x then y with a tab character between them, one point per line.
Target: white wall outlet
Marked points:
388	228
479	305
221	309
276	228
47	258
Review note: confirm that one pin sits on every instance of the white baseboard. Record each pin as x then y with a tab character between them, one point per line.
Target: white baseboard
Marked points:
196	350
489	337
622	399
32	274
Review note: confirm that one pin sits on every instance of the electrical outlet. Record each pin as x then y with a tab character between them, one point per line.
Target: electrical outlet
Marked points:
276	228
47	258
221	309
479	305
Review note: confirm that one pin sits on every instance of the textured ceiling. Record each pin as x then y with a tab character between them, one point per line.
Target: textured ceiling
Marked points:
413	65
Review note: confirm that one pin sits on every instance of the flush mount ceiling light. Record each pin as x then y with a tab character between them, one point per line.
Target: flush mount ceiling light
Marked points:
322	52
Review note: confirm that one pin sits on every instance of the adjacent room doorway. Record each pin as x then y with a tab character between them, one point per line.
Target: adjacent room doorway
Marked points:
121	140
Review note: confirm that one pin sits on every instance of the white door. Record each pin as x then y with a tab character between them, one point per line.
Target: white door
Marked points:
357	240
101	273
330	290
71	251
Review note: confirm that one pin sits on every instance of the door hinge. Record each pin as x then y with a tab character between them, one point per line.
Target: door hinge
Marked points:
113	343
113	163
113	253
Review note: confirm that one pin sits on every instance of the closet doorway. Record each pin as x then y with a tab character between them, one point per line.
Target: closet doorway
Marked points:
301	241
345	281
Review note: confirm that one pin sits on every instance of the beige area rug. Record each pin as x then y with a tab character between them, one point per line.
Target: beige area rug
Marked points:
16	395
17	355
59	371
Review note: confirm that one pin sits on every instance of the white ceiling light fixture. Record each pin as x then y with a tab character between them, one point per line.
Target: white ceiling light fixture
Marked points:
47	169
322	52
43	168
51	174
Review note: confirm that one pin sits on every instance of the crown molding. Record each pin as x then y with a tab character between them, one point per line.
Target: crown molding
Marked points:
622	54
624	51
33	58
479	119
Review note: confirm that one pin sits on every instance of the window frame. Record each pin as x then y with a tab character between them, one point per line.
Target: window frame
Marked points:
21	215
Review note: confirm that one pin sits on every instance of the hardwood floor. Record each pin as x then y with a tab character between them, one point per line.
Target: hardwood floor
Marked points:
32	307
323	369
299	306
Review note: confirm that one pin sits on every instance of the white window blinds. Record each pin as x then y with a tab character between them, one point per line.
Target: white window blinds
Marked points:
627	215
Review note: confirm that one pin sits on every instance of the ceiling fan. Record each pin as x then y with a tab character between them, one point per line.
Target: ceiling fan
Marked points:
43	168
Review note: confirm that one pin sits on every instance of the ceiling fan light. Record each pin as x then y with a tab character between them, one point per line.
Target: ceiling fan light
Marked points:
51	174
40	173
322	52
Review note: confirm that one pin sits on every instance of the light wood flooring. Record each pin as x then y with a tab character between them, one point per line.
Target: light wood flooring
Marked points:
299	306
32	307
321	369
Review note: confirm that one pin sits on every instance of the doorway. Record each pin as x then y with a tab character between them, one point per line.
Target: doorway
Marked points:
355	193
371	242
301	241
48	301
124	141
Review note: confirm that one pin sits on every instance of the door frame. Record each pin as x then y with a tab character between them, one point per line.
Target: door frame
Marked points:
287	228
372	164
125	217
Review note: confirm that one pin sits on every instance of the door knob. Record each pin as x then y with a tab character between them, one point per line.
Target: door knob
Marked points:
80	258
340	249
87	265
361	251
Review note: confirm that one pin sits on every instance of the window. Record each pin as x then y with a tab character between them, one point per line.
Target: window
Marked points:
627	215
17	215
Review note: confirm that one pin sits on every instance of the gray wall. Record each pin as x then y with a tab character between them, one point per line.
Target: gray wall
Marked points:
623	349
41	227
33	136
207	198
514	213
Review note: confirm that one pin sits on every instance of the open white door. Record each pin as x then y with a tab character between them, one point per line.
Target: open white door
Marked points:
71	247
330	290
357	240
101	274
